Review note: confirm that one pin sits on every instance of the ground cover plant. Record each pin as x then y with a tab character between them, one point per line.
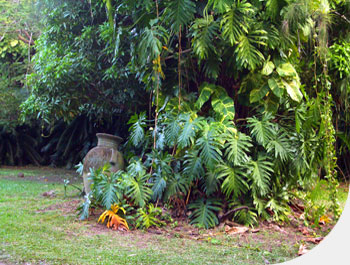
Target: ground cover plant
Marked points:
54	235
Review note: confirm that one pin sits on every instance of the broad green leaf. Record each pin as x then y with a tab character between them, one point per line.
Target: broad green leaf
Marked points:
258	93
286	70
223	105
293	89
206	90
186	137
276	86
270	104
268	68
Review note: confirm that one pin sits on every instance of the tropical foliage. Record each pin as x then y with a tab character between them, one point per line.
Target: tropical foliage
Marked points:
232	104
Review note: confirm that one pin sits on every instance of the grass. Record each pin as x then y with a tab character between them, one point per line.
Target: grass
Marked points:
37	229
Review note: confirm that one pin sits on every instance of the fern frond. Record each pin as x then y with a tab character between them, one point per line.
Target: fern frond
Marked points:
209	147
234	22
234	183
237	147
248	55
279	146
262	130
203	32
172	130
138	189
136	130
204	212
180	13
193	165
175	185
188	132
261	171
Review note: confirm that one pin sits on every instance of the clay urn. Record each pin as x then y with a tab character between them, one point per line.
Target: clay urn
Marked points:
106	151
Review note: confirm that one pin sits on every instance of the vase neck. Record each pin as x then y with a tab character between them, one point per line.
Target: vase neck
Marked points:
107	143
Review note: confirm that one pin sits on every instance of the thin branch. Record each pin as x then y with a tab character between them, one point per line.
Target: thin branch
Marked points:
30	41
173	56
342	16
234	210
179	67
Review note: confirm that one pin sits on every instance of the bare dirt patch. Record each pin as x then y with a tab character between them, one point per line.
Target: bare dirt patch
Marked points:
66	208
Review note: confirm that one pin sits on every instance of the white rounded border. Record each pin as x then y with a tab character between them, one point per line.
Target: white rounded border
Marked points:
334	249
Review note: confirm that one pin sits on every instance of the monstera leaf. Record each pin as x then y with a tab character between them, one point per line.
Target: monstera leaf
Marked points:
223	105
204	212
206	90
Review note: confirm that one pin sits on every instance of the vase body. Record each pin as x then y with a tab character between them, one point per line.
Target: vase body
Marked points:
106	151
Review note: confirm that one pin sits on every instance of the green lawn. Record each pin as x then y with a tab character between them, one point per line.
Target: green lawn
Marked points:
43	230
